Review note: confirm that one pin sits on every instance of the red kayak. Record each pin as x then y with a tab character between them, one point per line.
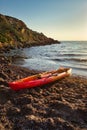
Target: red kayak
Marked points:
40	79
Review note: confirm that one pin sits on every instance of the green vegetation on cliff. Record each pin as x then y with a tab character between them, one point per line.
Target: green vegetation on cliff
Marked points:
14	33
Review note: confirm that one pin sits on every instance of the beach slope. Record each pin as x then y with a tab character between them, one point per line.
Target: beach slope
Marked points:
57	106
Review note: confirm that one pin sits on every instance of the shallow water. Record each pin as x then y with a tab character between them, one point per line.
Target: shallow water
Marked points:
69	54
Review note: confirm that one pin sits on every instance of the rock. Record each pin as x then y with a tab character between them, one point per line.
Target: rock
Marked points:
1	127
3	75
3	82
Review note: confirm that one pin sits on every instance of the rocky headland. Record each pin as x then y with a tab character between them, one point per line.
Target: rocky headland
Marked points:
15	34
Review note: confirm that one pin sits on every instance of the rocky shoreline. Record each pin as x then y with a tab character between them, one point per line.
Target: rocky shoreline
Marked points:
27	45
58	106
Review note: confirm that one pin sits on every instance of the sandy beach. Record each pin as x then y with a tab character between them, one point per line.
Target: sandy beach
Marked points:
58	106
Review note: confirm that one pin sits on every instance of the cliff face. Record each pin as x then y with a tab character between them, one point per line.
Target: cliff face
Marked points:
14	33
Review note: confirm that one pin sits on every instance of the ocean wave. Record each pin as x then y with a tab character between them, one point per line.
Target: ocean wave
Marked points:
78	59
72	54
70	59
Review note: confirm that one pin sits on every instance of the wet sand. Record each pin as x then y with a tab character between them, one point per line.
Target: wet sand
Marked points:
58	106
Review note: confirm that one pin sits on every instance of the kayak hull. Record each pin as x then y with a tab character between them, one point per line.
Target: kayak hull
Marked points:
36	81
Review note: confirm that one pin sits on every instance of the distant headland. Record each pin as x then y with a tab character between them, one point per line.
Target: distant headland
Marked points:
15	34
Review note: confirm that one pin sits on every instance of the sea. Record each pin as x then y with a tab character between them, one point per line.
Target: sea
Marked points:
71	54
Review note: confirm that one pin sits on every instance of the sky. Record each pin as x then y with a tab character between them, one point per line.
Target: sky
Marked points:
58	19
